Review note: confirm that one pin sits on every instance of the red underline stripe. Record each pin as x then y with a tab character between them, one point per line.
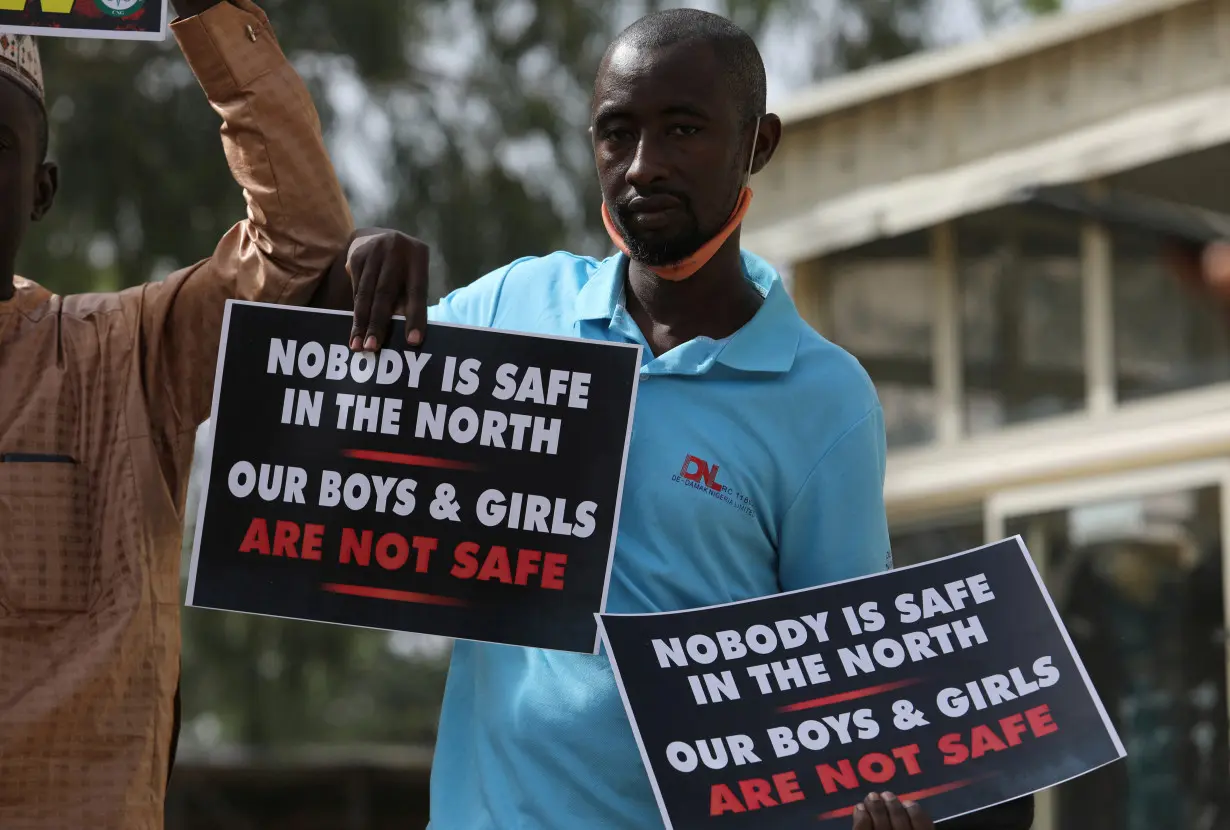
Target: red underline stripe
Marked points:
388	593
914	796
412	460
845	696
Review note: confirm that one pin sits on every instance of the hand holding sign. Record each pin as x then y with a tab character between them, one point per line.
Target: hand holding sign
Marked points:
1215	261
886	812
389	273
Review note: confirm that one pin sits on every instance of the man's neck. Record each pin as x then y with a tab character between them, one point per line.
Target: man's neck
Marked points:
714	302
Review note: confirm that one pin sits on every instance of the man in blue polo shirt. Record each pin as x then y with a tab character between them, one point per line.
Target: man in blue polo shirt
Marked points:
733	383
732	377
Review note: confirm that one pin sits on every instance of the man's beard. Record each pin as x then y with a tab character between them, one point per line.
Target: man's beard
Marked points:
659	252
655	252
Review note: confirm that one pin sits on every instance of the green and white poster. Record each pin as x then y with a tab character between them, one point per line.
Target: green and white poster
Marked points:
114	19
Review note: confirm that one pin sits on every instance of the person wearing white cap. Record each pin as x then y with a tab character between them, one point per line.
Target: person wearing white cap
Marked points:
100	398
19	63
21	92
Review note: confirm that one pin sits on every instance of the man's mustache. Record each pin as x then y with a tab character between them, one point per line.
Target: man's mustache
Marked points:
624	205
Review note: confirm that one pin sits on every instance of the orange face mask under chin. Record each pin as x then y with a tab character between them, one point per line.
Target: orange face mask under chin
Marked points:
688	266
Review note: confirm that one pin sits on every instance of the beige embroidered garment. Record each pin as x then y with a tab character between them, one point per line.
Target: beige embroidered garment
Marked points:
100	396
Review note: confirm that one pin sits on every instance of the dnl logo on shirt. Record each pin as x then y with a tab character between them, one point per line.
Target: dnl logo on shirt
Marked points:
702	475
696	470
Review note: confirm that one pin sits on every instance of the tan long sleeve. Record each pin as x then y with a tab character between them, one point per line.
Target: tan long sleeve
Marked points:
298	219
99	398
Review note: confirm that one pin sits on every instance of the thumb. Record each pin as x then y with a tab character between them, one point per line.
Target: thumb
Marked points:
359	249
1215	263
350	265
356	260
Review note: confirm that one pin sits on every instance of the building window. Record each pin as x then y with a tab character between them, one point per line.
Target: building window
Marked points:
1022	325
879	309
1138	583
1169	335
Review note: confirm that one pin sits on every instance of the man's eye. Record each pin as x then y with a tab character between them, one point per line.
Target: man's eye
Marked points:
618	134
684	129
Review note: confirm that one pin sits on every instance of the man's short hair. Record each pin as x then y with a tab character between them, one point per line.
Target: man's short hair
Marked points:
741	62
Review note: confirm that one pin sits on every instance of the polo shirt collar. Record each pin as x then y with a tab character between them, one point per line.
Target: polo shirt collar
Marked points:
603	294
766	343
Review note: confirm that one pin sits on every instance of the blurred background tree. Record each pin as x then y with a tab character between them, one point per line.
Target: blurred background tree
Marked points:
460	121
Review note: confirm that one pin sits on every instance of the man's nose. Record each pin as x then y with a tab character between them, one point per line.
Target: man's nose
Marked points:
649	163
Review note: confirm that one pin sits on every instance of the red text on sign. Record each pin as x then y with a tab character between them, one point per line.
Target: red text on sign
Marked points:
984	738
392	550
524	567
872	768
289	540
754	794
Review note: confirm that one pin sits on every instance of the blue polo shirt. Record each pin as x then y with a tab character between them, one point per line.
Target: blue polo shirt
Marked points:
790	428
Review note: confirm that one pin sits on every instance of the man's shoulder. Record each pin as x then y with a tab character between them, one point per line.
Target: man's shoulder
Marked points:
825	396
559	273
532	284
821	372
38	300
94	331
832	374
95	304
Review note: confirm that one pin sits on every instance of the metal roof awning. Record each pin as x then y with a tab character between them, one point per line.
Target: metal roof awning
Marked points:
937	65
1147	135
1168	430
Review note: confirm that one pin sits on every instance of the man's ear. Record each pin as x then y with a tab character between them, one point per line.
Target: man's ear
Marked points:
768	137
46	184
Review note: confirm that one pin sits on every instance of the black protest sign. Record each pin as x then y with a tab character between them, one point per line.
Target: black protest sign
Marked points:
953	681
468	489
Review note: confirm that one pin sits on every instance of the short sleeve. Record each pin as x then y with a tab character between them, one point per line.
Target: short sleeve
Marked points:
836	528
476	303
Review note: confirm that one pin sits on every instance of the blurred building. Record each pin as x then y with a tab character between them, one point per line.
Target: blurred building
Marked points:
1042	377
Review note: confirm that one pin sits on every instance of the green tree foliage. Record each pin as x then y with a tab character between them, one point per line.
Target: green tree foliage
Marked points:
997	12
882	30
260	682
462	122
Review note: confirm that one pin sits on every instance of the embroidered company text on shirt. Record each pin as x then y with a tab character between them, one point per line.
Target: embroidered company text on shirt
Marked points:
703	476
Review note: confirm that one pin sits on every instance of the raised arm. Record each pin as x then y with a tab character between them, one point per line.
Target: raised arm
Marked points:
297	216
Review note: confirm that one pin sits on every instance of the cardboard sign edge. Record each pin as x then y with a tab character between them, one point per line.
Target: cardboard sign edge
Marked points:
1020	547
95	34
203	495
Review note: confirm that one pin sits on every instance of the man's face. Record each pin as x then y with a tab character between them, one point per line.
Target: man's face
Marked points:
27	185
670	148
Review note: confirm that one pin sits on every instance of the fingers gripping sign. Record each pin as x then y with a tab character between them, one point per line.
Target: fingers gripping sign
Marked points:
388	271
883	811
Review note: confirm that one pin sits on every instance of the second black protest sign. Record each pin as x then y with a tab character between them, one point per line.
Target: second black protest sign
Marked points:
468	489
952	681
